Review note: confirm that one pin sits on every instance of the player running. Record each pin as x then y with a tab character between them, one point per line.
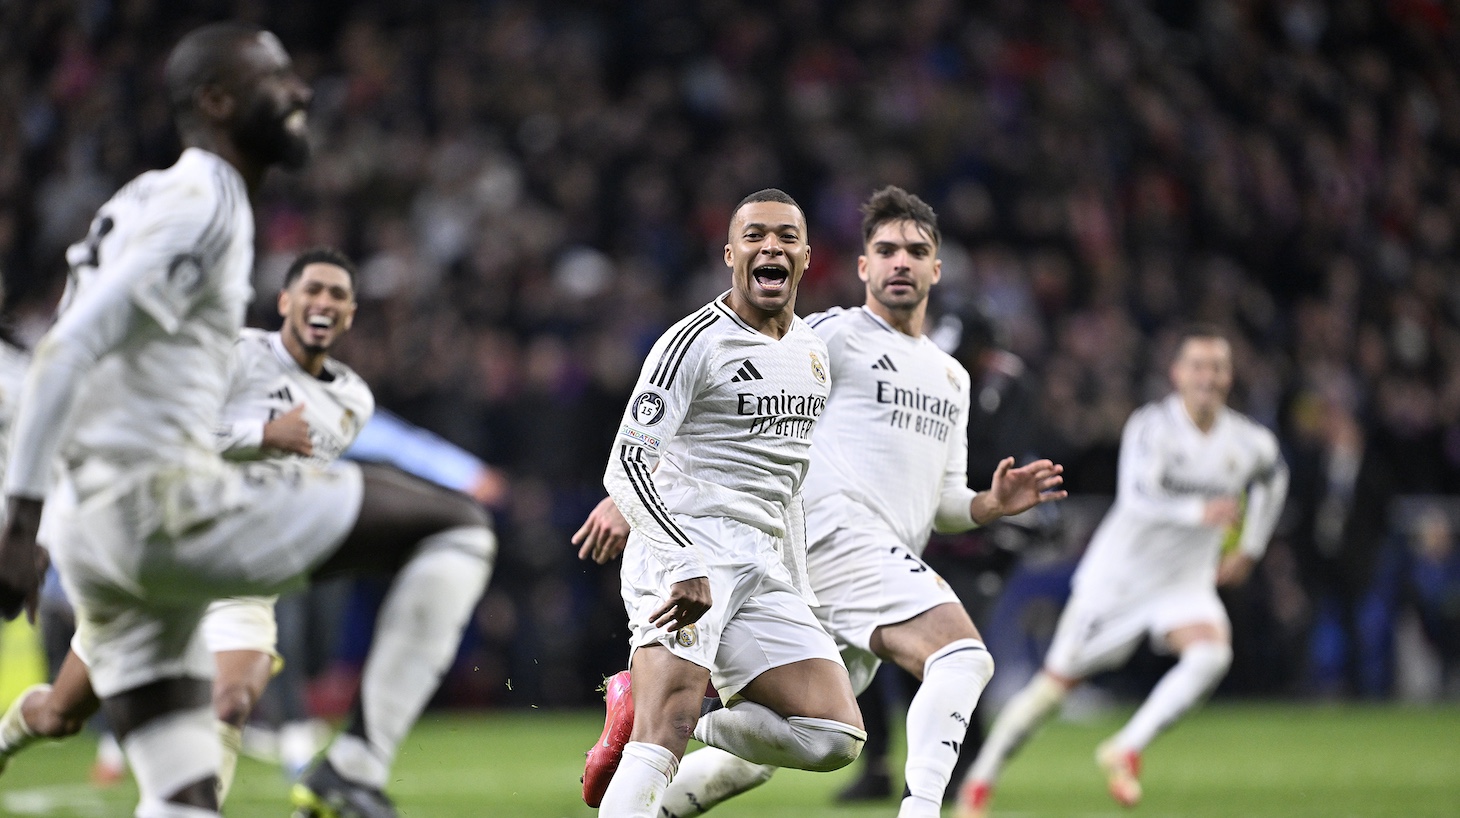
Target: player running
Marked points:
1152	567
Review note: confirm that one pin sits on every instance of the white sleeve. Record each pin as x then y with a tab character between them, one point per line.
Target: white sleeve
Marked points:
666	387
955	498
241	428
1265	497
94	325
1143	456
156	275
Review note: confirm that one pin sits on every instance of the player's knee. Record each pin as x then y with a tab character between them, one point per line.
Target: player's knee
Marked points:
966	658
827	745
232	703
466	512
1212	656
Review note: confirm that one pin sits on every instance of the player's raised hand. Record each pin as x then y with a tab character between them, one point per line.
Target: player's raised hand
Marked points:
688	601
289	432
1014	490
603	534
23	563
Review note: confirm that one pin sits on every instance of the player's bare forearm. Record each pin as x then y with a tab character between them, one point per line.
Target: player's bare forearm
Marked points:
22	562
1235	569
688	601
604	534
1016	490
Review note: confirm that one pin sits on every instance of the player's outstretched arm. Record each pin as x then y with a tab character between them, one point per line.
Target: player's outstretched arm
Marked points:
1014	490
604	533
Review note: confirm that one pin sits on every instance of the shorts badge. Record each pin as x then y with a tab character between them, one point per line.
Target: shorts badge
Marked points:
688	636
817	369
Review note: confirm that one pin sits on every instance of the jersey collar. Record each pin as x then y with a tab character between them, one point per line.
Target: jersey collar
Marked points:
276	343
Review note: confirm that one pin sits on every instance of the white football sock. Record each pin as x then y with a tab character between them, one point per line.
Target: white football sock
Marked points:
1196	673
707	777
15	734
639	782
416	637
937	719
1023	715
231	739
759	735
171	752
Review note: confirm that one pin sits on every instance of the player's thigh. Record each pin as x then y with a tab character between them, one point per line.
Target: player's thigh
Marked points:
1095	633
128	644
1183	616
812	688
397	512
911	642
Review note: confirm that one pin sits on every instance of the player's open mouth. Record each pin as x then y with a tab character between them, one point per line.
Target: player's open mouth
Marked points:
899	282
771	278
321	322
296	121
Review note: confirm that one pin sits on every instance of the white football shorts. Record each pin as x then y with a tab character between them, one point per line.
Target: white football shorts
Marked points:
143	552
757	620
1099	631
865	578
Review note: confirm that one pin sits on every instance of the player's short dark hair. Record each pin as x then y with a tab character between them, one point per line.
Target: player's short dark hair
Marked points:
1198	331
893	204
202	57
770	194
319	255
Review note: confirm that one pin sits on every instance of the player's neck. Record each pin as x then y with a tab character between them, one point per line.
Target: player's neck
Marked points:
1204	418
908	322
776	324
310	362
223	147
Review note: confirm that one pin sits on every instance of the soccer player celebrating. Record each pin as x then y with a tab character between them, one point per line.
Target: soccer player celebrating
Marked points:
708	468
127	390
286	398
1153	565
889	466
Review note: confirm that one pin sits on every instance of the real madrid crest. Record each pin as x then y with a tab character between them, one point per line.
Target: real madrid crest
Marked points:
687	636
817	369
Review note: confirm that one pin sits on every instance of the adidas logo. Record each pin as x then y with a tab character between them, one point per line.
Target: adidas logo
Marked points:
746	372
282	394
884	363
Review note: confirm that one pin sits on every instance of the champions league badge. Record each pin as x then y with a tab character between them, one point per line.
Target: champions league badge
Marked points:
648	409
817	369
688	636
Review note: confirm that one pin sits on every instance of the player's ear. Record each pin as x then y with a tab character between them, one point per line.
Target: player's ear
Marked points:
937	270
348	316
862	266
729	257
214	103
283	302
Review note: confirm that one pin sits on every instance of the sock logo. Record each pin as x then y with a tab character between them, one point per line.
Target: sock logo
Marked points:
958	717
746	372
952	744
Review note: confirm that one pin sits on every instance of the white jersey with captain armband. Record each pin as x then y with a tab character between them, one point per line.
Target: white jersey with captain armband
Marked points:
1153	537
726	413
265	382
894	439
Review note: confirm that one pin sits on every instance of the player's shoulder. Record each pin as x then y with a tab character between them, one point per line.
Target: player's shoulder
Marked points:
1250	430
196	179
348	384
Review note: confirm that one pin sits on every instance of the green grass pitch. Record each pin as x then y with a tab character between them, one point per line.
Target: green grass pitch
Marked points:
1232	761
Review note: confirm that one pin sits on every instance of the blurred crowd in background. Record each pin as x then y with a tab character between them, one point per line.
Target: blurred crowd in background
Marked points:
535	190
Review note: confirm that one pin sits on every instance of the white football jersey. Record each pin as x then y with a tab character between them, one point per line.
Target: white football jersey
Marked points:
1153	536
894	437
155	300
265	382
726	412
